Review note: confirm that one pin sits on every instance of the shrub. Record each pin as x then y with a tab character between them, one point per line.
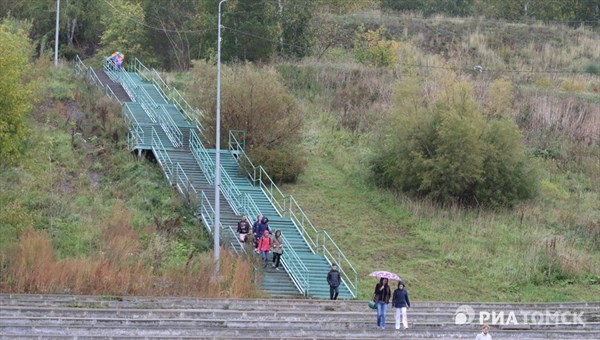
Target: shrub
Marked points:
592	68
283	164
447	151
371	48
254	101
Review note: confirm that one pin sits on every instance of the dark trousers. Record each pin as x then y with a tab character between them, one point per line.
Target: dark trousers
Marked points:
333	292
276	259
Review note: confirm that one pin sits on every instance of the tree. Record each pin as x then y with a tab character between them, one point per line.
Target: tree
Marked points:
15	96
371	48
296	35
125	30
253	100
252	30
176	36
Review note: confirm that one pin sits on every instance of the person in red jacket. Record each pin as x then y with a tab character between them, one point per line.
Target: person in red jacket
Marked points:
264	246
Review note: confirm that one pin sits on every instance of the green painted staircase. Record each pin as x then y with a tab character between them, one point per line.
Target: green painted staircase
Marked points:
160	120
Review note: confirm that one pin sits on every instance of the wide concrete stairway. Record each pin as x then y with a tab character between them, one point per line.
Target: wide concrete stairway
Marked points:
89	317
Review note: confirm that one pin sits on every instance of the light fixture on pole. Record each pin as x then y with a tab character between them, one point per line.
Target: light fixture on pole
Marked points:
56	33
217	218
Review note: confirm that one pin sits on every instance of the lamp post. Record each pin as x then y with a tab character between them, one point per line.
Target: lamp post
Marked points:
56	33
217	218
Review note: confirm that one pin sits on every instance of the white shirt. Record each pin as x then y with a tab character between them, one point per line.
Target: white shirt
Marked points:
482	336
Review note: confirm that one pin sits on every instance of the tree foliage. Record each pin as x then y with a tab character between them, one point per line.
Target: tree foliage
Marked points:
15	96
373	49
124	30
252	100
448	151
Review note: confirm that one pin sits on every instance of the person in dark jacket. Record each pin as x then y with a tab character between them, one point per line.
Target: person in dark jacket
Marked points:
401	302
334	280
262	227
243	228
255	231
381	296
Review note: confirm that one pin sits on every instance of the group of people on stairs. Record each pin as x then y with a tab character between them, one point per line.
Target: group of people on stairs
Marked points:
264	242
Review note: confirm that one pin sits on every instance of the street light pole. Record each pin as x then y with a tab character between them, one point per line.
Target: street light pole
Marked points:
56	33
217	218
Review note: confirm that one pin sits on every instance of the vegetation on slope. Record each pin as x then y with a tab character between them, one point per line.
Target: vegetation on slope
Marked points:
543	78
79	214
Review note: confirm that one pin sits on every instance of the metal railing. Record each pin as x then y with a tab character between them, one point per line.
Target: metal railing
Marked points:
334	254
258	175
170	95
162	156
81	68
136	132
202	157
287	206
79	65
170	127
295	267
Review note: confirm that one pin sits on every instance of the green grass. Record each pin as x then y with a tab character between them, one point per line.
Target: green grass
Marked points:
445	253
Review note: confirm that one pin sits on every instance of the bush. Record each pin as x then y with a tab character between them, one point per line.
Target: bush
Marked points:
371	48
447	151
283	164
592	68
254	101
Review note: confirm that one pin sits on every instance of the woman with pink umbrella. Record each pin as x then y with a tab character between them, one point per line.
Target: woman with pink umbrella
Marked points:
382	294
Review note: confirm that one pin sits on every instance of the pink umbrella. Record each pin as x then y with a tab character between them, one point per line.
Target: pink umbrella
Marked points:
385	275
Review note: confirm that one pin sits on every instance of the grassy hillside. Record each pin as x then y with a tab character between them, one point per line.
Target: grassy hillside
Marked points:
81	215
544	249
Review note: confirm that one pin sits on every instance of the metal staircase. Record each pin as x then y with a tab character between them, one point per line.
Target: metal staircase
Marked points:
160	120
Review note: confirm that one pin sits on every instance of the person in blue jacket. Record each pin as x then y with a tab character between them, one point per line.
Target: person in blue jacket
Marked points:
401	302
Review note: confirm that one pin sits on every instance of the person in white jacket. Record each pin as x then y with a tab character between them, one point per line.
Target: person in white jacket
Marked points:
485	333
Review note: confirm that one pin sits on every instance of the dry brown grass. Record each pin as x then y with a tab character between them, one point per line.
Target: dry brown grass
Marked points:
119	266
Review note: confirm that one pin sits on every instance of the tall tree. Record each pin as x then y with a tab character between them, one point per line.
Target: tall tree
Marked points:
296	36
15	96
252	30
125	30
174	34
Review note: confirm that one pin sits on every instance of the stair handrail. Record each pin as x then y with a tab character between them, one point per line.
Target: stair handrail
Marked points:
170	94
148	104
334	254
128	85
258	175
295	267
202	157
162	156
292	209
138	67
307	229
183	183
110	68
137	133
78	65
170	127
206	212
186	109
249	207
230	191
159	82
94	77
